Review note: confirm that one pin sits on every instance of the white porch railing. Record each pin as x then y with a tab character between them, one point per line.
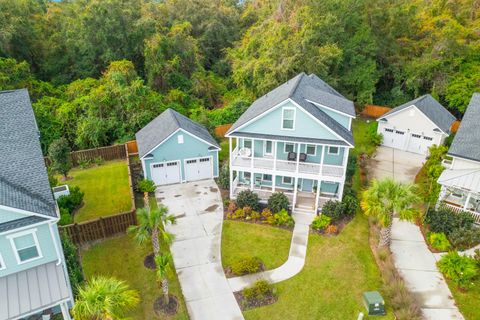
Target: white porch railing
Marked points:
458	209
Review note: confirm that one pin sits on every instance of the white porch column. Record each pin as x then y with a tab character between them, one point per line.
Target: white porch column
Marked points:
469	195
253	153
65	312
252	176
230	160
340	191
298	157
324	149
275	145
295	182
319	182
274	179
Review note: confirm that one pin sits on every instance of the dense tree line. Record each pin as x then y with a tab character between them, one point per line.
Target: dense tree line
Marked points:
98	70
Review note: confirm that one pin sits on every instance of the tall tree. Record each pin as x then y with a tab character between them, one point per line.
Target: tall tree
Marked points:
164	268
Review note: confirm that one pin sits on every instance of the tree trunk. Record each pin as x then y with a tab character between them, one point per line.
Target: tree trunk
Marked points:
385	236
165	291
146	201
155	242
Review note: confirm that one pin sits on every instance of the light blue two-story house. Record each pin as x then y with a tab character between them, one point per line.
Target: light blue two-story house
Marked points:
295	139
34	282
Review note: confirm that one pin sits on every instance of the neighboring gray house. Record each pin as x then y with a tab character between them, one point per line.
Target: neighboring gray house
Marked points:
174	149
461	179
294	139
416	125
33	276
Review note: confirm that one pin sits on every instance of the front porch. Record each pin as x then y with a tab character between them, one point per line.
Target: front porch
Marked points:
460	200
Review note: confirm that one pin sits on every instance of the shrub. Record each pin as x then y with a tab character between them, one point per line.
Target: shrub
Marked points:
246	266
350	204
282	218
460	269
72	201
321	222
99	161
278	201
84	163
373	136
266	213
331	229
73	263
438	241
248	198
351	167
65	217
255	215
232	206
239	214
259	291
446	221
224	177
146	185
463	238
247	211
334	210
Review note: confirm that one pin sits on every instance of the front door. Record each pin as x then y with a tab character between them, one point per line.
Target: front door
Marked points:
307	185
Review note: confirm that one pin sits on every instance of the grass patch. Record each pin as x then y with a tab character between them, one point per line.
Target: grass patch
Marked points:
467	301
106	190
122	258
360	133
241	240
330	286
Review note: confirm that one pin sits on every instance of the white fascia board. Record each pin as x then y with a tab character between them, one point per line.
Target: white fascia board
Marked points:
331	109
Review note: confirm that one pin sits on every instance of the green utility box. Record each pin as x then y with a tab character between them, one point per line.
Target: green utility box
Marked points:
374	303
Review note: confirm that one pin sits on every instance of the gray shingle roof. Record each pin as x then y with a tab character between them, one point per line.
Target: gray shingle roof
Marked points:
302	89
432	109
466	143
23	176
19	223
163	126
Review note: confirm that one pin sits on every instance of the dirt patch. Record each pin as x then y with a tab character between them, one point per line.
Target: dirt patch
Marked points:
212	189
339	227
212	208
177	195
250	304
161	308
149	262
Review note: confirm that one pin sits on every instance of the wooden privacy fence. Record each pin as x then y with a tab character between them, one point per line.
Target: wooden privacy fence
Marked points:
221	130
101	228
454	127
132	147
373	111
114	152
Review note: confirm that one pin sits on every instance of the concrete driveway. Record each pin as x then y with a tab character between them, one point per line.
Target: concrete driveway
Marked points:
400	165
196	249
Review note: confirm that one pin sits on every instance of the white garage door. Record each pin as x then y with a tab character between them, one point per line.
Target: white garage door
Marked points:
198	168
419	144
394	138
165	172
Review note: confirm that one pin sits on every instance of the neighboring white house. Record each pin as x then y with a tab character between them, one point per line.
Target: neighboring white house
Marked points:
294	139
416	125
461	179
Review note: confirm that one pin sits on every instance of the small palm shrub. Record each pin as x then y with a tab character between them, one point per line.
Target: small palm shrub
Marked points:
460	269
278	201
464	238
321	222
146	185
248	198
282	218
438	241
247	266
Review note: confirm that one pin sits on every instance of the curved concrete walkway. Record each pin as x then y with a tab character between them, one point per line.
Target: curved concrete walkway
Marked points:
294	263
196	249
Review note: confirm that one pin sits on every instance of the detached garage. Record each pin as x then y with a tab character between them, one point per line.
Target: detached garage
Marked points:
416	125
174	149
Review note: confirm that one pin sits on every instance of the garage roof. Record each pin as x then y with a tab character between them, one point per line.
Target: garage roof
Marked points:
466	143
160	128
431	108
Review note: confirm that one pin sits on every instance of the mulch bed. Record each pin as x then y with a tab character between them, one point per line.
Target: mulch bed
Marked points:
339	224
229	274
245	304
149	262
262	222
169	309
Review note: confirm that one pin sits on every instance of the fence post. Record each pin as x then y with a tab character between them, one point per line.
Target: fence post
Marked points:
102	227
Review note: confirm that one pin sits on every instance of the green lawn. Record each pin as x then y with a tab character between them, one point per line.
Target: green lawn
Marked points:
330	286
467	301
106	190
360	128
122	258
245	240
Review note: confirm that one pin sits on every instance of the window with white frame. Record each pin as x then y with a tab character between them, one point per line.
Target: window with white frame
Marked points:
247	175
2	263
288	118
25	246
287	180
334	150
180	138
311	150
268	147
247	144
267	177
289	147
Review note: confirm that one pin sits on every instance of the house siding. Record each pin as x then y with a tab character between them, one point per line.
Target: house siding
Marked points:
340	118
171	150
8	215
45	242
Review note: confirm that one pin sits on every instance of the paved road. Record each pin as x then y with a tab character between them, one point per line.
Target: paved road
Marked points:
196	249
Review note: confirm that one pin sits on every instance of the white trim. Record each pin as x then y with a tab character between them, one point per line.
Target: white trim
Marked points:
294	117
331	109
267	174
311	145
40	309
334	153
180	139
218	167
265	153
198	159
285	147
28	213
3	266
32	232
198	138
55	244
283	180
247	139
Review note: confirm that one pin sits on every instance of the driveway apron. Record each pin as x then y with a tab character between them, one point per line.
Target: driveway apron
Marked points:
196	249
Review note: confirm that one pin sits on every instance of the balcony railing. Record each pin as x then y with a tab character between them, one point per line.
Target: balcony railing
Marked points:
286	166
457	209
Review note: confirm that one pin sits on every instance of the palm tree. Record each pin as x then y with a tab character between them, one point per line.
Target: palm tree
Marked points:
386	199
151	225
164	267
104	298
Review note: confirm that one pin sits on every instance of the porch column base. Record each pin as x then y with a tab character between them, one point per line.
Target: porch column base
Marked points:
65	311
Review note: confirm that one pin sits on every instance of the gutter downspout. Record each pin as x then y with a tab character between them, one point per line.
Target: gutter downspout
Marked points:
57	250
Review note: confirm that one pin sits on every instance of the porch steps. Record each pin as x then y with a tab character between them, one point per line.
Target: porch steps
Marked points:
304	209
